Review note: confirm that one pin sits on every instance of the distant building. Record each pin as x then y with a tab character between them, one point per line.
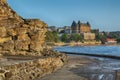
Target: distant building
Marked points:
84	29
96	31
89	36
67	29
111	41
52	28
61	30
80	27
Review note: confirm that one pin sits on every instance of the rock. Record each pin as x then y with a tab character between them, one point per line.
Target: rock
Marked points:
8	75
5	39
8	46
2	31
21	38
18	35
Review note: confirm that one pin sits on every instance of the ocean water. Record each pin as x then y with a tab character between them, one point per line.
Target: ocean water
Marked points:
102	50
105	69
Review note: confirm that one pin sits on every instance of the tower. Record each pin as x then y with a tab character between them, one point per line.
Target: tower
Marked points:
79	24
74	27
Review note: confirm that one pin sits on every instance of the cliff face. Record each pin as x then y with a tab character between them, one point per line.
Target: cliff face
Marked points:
20	36
24	37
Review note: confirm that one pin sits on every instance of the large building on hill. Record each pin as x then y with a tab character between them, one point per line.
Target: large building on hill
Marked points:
84	29
80	27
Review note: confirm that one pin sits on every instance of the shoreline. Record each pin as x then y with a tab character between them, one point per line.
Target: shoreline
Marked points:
94	55
84	67
52	44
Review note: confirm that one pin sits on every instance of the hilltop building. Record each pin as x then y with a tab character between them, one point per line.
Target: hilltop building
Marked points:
80	27
88	36
83	29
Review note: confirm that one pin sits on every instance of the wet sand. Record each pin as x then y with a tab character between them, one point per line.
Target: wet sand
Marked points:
87	68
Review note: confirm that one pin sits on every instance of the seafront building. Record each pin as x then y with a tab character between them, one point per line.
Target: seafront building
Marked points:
80	27
83	29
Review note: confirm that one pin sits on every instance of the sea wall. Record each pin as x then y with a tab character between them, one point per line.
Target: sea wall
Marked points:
32	69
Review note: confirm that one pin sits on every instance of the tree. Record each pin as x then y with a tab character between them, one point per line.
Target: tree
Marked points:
98	37
118	40
51	36
115	36
55	34
77	38
101	38
64	38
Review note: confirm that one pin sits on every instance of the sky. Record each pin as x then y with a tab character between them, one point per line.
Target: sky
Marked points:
102	14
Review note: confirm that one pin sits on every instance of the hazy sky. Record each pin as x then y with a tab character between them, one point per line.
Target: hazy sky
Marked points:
102	14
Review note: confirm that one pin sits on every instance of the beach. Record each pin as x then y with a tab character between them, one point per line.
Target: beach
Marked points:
87	68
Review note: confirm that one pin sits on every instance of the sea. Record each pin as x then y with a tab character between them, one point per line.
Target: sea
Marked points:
101	50
105	69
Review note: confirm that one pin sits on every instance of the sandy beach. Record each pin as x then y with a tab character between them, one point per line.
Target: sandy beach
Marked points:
86	68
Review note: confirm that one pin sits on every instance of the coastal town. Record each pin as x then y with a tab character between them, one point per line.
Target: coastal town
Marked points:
83	34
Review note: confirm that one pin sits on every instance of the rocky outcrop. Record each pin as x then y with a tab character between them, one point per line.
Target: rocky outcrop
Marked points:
20	36
30	69
22	56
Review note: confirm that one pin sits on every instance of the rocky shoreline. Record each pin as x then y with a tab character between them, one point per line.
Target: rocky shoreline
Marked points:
28	67
52	44
22	52
87	68
23	56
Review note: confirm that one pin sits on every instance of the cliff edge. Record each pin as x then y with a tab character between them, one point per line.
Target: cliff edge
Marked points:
22	56
20	36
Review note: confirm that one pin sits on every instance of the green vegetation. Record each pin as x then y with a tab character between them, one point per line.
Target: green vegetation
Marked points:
77	37
103	39
118	40
52	36
65	38
100	37
68	38
115	36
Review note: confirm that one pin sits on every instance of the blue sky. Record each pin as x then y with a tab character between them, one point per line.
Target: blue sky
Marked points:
102	14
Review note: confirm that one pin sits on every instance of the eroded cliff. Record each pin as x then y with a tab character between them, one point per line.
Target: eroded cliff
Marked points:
22	56
20	36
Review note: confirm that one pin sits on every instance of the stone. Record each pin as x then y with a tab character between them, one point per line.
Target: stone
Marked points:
21	42
20	30
8	75
8	46
2	31
5	39
18	35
